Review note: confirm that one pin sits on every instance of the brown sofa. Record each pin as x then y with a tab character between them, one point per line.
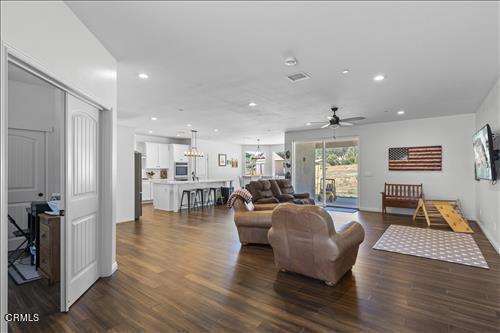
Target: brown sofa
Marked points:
276	191
253	221
304	240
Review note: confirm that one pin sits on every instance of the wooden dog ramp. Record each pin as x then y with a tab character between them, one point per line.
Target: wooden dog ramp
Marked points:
442	212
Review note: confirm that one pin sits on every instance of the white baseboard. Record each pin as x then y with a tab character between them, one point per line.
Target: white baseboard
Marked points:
126	220
114	268
389	211
496	246
370	209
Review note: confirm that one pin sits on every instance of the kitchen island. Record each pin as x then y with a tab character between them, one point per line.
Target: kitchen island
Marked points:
167	193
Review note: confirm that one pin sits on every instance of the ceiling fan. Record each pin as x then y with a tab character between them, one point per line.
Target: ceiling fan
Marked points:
334	121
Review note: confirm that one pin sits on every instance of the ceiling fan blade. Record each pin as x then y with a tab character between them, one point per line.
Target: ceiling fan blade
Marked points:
353	118
325	125
344	123
316	122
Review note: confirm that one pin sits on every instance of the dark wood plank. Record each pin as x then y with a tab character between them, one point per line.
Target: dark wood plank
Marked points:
188	272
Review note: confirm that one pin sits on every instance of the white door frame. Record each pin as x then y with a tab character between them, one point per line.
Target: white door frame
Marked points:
107	172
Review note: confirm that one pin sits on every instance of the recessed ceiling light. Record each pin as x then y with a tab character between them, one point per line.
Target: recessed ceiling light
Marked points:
189	125
290	61
401	112
252	104
378	77
308	124
178	134
154	118
345	71
150	131
143	76
216	130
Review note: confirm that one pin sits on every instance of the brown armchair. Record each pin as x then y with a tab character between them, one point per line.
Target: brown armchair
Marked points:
253	221
304	240
283	187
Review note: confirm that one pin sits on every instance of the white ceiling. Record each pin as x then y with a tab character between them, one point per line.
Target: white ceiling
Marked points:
212	58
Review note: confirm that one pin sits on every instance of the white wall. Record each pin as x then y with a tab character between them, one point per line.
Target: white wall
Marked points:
125	184
212	149
51	34
48	33
455	181
488	194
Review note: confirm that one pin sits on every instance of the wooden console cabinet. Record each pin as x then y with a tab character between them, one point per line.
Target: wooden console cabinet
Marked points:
50	247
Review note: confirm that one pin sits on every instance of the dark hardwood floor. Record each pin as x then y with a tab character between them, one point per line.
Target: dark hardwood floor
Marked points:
188	272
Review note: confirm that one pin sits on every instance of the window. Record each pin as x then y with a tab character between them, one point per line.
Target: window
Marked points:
253	167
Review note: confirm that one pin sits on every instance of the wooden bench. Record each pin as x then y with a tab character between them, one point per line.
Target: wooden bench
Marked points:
401	196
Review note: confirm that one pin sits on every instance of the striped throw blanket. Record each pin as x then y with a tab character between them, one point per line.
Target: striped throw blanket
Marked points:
239	194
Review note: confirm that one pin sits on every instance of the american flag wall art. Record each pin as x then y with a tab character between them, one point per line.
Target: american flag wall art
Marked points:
427	158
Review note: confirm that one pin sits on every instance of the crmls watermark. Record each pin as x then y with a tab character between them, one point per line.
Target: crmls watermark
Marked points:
22	317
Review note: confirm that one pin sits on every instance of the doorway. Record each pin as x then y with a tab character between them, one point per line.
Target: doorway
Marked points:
35	183
56	142
328	170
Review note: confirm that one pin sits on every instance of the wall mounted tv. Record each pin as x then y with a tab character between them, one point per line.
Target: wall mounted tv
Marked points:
484	155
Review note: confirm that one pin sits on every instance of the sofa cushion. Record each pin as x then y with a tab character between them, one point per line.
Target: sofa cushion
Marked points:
266	200
285	186
275	188
285	197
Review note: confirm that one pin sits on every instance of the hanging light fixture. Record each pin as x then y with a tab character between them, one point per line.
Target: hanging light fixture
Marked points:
259	155
193	151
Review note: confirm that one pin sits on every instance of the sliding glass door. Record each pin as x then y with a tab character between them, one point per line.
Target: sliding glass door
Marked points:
328	170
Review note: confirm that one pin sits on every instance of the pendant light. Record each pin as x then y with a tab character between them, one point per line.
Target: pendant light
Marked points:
193	151
259	155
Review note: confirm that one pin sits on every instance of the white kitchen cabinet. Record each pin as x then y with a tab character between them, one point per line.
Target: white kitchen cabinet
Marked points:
147	190
157	155
163	156
178	153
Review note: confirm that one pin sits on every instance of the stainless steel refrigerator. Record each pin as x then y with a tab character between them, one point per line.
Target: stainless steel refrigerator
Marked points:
138	184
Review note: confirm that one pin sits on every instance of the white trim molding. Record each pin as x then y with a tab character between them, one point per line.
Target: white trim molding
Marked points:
3	190
491	239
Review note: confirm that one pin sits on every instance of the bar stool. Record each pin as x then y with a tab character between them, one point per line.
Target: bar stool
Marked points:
206	195
211	196
200	194
192	201
217	195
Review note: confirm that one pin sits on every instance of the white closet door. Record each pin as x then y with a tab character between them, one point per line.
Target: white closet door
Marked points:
26	176
82	204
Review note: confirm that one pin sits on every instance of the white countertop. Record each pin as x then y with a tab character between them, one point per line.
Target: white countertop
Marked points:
180	182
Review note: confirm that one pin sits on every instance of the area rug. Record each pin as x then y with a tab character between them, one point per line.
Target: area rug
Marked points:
433	244
341	209
23	273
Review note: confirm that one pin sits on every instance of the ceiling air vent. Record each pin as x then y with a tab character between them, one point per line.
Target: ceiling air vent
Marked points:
298	77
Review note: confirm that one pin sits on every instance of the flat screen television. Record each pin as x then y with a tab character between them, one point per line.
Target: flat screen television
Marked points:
484	154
